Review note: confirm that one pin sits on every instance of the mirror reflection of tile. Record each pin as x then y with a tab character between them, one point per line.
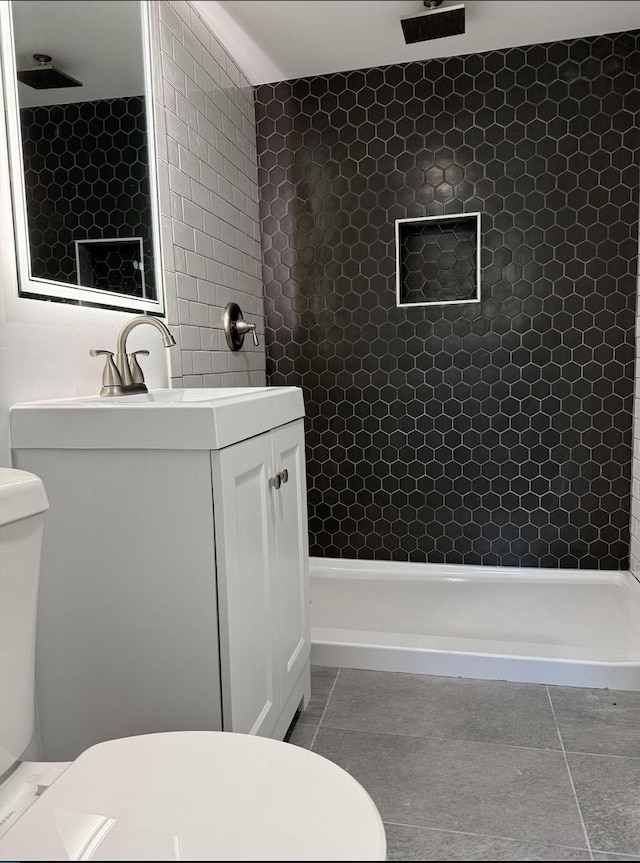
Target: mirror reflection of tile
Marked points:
112	265
87	179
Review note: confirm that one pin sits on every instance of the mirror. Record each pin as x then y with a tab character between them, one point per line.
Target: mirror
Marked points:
77	85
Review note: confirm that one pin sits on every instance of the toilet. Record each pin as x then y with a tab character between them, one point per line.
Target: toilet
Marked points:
184	795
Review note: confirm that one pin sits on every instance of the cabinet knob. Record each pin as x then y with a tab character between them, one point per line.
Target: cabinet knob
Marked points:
284	475
275	482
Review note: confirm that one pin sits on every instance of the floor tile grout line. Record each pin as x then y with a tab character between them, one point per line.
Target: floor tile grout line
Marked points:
600	754
573	787
557	751
313	740
487	835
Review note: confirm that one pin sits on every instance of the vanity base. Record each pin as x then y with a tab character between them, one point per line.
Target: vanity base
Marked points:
173	590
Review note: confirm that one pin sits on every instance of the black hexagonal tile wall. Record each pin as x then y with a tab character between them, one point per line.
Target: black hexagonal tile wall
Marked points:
497	433
86	177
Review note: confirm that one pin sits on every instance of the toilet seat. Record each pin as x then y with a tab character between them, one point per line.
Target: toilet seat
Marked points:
199	796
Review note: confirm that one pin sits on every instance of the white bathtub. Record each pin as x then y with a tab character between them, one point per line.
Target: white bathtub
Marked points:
570	627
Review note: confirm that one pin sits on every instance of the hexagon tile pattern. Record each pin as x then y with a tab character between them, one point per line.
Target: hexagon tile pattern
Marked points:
438	261
86	177
497	433
111	266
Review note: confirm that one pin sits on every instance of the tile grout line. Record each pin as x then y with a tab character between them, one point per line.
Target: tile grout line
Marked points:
486	835
447	739
573	787
313	740
472	741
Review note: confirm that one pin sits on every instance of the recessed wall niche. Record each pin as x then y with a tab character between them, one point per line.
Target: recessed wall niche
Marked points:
438	260
112	265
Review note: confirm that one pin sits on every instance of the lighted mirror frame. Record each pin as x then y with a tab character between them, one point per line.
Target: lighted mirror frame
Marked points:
48	289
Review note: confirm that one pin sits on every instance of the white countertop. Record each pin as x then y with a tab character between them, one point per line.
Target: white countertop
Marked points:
161	419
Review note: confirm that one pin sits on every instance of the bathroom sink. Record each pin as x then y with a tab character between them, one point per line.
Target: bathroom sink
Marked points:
160	419
196	395
177	396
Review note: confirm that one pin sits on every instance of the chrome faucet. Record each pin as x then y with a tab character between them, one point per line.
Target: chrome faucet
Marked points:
122	375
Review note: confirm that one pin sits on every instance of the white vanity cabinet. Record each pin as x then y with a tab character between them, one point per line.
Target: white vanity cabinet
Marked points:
174	578
261	535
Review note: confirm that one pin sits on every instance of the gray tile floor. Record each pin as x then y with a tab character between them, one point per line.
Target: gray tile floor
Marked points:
484	770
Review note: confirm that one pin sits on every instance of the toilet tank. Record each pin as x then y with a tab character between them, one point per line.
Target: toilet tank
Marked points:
22	502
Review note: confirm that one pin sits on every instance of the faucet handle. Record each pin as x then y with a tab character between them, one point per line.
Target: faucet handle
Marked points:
111	380
137	375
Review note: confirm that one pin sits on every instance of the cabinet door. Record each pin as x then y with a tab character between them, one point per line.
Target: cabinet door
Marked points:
290	563
244	528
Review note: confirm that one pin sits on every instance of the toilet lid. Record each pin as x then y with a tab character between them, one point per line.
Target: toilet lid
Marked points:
199	795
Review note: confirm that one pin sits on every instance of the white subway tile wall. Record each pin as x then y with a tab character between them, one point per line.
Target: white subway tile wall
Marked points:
207	175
